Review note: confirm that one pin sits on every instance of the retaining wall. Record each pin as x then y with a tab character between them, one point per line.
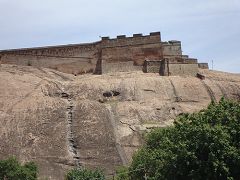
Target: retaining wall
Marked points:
183	69
166	68
119	67
153	66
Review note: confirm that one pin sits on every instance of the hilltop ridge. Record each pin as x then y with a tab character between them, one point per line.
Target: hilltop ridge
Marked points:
60	120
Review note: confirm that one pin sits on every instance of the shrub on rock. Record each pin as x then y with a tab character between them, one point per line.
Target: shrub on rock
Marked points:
84	174
204	145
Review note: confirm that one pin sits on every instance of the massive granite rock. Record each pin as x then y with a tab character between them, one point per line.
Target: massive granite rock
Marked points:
61	121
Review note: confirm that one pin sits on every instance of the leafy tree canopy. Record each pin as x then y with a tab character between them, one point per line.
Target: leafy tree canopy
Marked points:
11	169
204	145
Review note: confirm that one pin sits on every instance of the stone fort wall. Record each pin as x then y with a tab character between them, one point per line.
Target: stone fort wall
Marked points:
125	53
108	55
74	59
136	48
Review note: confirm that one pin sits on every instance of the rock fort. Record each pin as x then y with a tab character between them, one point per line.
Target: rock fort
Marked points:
61	121
122	54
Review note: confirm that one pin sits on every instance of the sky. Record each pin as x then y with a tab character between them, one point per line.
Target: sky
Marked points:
209	29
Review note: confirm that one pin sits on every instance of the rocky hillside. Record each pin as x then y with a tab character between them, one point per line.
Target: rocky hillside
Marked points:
60	120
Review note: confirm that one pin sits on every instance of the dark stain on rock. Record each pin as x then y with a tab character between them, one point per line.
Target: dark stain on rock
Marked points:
111	93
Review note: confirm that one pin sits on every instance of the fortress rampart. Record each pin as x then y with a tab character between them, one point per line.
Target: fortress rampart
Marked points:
107	55
67	58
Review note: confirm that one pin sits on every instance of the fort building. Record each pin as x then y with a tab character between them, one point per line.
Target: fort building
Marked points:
145	53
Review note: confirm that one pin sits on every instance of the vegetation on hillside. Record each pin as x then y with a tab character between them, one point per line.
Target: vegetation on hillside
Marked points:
204	145
11	169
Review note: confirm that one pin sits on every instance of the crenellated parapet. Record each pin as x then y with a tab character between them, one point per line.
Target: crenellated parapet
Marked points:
136	39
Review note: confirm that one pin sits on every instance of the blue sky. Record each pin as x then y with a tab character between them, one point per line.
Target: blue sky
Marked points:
209	29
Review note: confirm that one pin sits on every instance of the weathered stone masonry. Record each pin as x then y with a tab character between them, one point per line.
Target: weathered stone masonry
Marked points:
137	53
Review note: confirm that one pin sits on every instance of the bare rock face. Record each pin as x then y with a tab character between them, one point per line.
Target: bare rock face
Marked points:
61	121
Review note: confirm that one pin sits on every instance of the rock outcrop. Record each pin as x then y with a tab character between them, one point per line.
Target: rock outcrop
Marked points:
60	121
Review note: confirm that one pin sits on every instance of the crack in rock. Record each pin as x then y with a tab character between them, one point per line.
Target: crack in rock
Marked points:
177	97
72	146
129	125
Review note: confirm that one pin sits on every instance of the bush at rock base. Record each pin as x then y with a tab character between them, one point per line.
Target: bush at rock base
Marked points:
85	174
204	145
11	169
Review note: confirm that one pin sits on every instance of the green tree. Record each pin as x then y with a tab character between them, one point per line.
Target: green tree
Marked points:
11	169
85	174
204	145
